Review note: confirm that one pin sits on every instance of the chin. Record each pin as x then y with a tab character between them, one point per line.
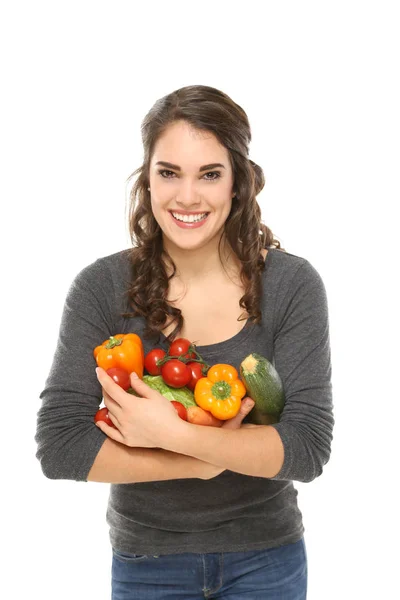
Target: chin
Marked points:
188	244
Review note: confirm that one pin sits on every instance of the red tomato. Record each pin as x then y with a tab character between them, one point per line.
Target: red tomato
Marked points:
120	376
102	415
180	409
180	347
197	374
175	373
150	361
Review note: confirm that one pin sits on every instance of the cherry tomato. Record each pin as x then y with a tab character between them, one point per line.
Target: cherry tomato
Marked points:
150	361
102	415
197	374
175	373
120	376
180	347
180	409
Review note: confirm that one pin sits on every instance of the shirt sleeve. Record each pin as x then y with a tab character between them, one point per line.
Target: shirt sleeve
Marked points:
302	357
67	438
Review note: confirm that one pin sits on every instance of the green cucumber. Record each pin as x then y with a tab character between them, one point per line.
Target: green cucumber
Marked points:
264	386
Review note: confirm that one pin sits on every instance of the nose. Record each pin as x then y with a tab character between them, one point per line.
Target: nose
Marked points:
188	196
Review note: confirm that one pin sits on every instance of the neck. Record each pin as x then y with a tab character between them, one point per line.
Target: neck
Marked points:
203	263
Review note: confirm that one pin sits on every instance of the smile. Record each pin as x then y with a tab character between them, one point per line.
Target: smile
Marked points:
189	218
189	221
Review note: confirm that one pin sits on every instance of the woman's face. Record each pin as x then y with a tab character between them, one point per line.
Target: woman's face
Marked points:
200	198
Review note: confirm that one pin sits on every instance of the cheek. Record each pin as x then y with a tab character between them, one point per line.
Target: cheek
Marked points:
159	197
155	206
155	209
227	207
159	213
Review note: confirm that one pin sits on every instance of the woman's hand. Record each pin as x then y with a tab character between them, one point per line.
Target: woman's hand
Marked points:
209	471
143	421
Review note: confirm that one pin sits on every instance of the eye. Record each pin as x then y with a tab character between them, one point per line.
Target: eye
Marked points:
217	173
162	172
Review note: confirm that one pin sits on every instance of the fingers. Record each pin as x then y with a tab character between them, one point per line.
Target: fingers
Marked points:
140	386
246	406
112	433
115	392
111	413
114	408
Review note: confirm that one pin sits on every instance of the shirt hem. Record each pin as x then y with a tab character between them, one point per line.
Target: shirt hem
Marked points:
224	547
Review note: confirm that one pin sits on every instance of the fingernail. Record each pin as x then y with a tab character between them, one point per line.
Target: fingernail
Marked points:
97	370
135	375
249	403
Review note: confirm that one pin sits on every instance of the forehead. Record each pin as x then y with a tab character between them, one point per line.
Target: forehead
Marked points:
183	144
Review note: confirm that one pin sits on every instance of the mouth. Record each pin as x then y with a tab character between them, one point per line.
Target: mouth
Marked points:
189	221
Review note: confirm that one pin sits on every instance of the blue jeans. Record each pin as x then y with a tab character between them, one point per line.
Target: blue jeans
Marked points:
272	573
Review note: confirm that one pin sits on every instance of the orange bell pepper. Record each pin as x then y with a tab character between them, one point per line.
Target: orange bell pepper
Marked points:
220	392
121	350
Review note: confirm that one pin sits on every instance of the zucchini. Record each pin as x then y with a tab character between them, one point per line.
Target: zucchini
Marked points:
265	387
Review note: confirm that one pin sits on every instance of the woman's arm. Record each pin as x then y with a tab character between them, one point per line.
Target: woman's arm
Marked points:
256	451
117	463
151	422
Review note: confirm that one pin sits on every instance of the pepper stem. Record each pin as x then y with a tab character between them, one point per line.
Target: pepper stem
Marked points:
113	341
221	390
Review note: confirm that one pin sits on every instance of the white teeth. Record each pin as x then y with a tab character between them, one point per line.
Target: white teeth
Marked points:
189	218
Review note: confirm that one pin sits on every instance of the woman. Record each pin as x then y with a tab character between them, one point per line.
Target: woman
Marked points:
194	511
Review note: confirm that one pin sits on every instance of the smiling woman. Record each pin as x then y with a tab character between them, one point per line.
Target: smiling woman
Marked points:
193	199
202	266
193	212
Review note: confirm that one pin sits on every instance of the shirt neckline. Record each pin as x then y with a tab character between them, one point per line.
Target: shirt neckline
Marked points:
239	336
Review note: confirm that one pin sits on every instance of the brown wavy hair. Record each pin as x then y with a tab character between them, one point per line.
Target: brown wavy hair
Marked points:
206	109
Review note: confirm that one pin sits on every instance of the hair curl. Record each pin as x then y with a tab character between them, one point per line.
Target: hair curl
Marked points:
205	109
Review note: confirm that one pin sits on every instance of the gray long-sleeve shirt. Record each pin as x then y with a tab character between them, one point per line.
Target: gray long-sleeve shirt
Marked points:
231	512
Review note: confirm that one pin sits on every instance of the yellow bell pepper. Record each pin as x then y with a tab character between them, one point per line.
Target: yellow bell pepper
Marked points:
220	392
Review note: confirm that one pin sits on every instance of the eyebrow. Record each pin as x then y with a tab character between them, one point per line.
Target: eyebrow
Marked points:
177	167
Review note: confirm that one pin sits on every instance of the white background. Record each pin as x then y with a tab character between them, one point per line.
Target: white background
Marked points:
319	82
